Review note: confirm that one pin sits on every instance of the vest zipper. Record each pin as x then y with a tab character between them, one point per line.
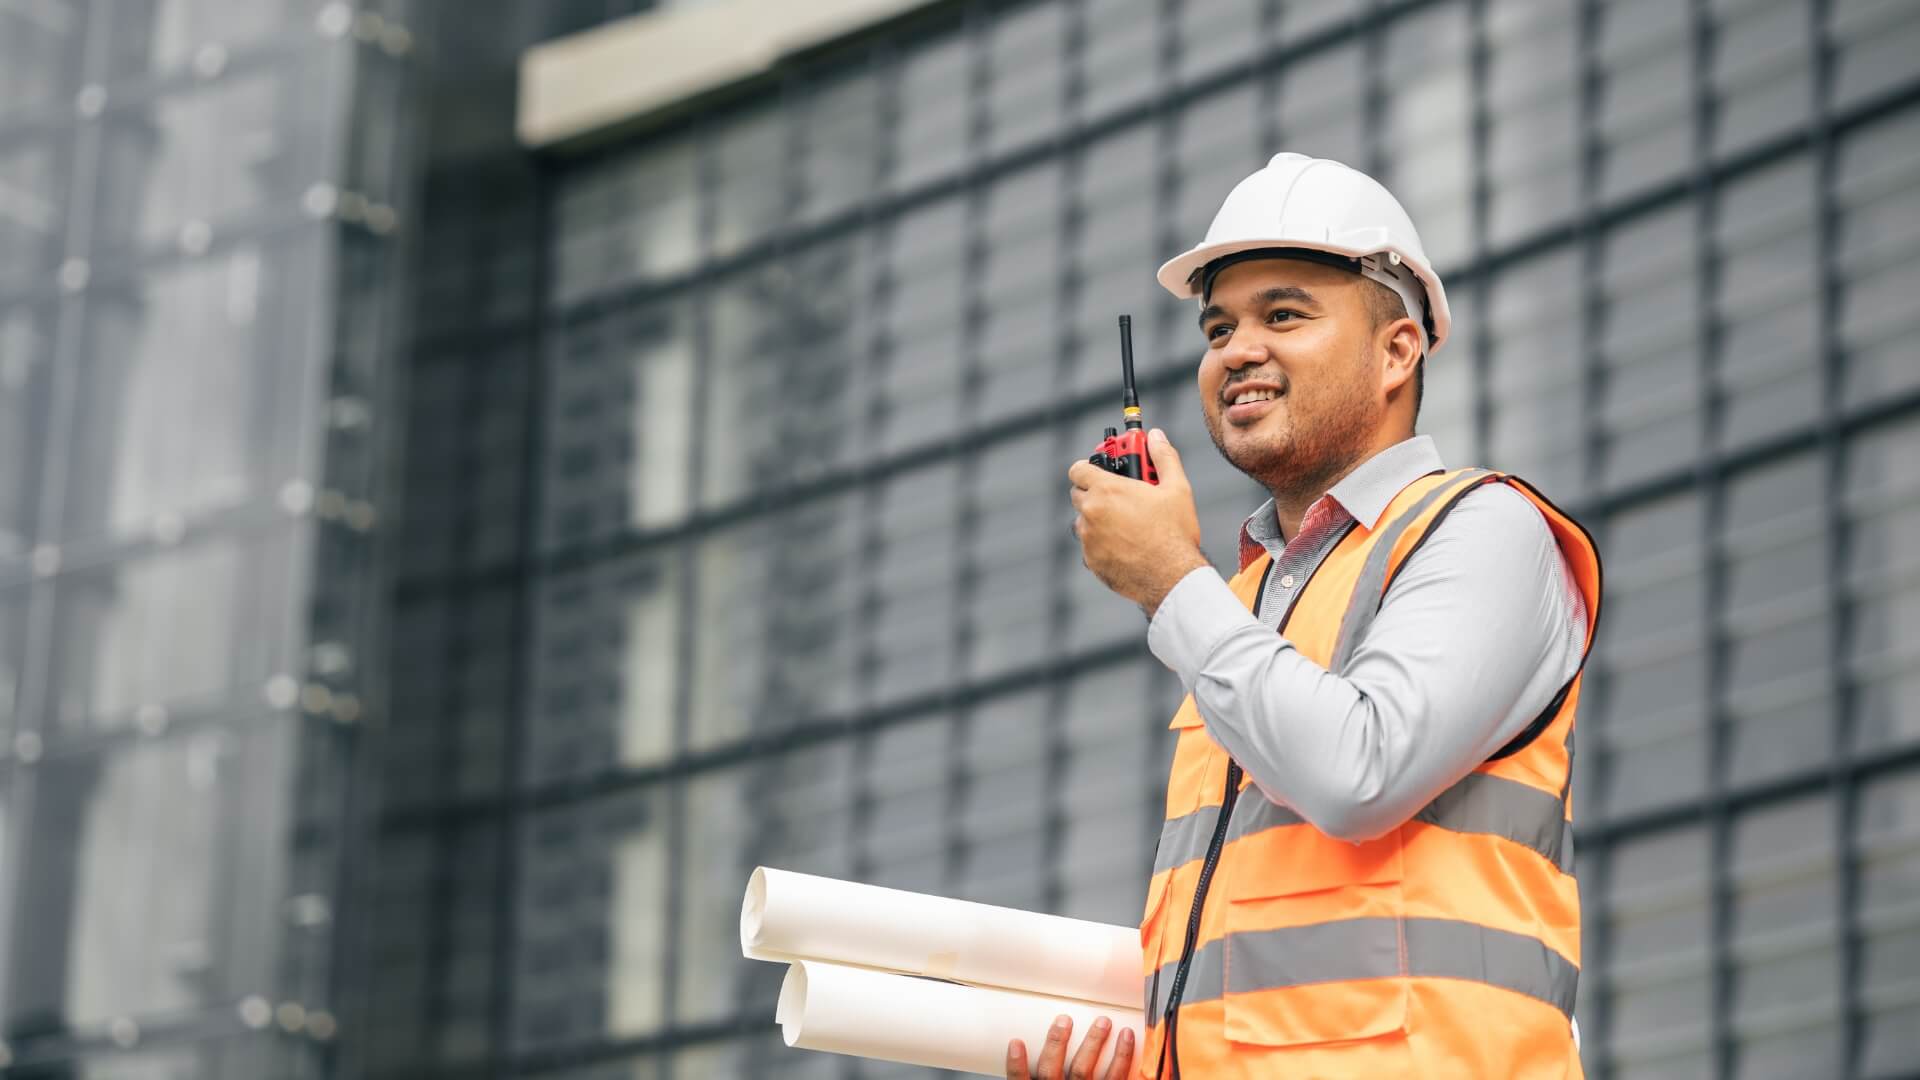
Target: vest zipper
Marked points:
1167	1049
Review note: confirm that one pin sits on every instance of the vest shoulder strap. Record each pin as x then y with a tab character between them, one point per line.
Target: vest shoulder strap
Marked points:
1411	529
1397	537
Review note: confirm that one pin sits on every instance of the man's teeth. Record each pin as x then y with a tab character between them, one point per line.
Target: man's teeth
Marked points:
1255	395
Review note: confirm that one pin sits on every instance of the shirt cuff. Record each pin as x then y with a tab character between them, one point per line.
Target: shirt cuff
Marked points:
1197	614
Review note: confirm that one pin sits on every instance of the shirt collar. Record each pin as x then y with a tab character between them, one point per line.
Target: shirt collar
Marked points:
1363	493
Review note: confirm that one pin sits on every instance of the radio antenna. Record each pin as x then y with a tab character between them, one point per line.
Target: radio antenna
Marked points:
1130	398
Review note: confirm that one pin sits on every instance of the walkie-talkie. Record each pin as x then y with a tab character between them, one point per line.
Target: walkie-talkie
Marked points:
1125	452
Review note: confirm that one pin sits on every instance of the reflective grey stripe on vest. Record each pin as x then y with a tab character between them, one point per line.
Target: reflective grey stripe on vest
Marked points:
1478	803
1496	806
1185	838
1364	602
1372	949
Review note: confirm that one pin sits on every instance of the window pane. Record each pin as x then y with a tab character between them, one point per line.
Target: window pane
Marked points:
1659	979
592	932
1122	48
1769	363
1025	95
839	142
907	829
198	628
1649	347
1645	100
619	417
127	883
1016	553
40	57
34	179
1001	820
1651	651
1116	252
1879	197
1883	577
481	688
807	822
466	459
932	100
721	847
606	677
1760	72
184	408
914	583
730	638
656	219
1217	142
1216	33
1876	40
1115	731
1322	104
218	153
1447	400
1778	620
923	325
1888	846
26	347
1532	100
1017	344
751	161
433	931
1785	941
166	34
1533	322
1429	113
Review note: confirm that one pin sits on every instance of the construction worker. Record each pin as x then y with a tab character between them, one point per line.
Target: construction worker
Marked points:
1366	868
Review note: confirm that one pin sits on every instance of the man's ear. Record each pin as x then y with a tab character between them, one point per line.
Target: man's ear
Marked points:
1401	351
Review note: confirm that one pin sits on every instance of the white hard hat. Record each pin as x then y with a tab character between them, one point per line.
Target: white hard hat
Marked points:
1304	206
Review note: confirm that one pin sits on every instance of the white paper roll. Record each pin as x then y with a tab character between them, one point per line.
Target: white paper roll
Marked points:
940	1025
788	917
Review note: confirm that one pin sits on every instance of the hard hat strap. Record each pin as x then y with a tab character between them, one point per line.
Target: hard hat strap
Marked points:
1388	270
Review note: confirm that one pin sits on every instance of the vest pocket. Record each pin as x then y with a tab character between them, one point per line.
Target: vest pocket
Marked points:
1153	918
1153	926
1316	953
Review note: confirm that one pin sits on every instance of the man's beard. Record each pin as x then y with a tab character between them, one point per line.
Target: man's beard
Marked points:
1299	464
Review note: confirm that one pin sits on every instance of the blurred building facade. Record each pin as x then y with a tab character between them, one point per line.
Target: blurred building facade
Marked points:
199	294
732	526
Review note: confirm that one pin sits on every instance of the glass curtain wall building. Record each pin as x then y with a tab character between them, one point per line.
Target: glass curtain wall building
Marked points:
200	211
794	584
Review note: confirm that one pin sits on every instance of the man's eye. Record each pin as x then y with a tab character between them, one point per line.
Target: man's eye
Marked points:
1283	315
1217	330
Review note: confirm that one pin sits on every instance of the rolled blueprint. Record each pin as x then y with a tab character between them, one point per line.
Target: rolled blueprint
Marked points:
941	1025
788	917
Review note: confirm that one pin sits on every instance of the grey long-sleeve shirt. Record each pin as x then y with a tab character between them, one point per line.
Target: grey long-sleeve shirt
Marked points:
1477	633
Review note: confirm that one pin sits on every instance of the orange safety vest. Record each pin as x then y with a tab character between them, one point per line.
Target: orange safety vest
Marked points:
1448	947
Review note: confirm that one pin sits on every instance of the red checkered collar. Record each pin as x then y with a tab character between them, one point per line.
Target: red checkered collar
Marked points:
1362	495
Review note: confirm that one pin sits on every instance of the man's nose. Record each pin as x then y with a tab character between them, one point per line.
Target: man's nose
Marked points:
1242	352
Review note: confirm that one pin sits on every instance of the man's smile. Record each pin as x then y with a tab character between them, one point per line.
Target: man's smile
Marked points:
1247	401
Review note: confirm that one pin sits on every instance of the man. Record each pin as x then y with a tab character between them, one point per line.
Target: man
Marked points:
1366	868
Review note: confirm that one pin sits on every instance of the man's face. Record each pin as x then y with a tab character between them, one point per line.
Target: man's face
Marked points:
1299	335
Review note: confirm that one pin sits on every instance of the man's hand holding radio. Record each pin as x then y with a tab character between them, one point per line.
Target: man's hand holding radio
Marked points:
1138	538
